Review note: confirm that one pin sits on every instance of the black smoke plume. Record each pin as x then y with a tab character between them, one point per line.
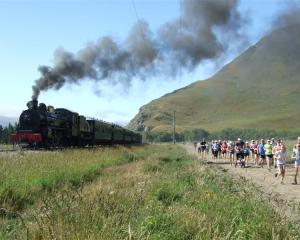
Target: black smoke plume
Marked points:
203	31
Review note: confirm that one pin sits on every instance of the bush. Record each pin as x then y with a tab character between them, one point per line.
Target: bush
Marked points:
195	134
164	137
228	133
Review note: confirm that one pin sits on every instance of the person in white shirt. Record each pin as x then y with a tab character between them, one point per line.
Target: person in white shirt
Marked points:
281	155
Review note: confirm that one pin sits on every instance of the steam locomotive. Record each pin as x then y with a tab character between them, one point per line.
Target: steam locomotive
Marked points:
42	126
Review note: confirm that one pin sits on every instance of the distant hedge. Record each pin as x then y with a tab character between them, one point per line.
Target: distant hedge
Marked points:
228	133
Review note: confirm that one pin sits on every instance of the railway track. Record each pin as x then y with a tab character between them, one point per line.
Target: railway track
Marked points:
19	151
27	149
10	150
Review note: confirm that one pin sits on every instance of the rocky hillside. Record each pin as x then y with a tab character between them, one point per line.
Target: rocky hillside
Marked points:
259	89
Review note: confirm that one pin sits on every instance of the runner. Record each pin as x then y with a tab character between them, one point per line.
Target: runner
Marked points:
274	144
215	150
212	152
255	151
269	154
239	150
230	149
247	153
281	159
207	149
261	152
252	150
297	161
224	149
275	149
203	148
219	150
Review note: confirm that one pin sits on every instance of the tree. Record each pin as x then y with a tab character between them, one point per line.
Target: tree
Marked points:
1	133
5	132
196	134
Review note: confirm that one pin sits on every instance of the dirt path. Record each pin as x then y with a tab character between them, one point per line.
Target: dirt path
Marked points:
285	196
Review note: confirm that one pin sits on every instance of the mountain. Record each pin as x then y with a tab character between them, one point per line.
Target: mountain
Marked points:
259	89
4	121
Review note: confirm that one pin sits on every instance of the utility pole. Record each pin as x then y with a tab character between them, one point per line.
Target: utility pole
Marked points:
145	135
174	127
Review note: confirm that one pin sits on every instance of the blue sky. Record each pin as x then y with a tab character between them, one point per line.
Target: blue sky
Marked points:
32	30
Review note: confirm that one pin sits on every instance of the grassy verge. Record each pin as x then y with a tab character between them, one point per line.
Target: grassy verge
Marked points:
169	195
6	147
26	176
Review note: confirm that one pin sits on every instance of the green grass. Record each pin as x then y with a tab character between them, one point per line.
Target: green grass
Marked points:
168	195
6	147
25	176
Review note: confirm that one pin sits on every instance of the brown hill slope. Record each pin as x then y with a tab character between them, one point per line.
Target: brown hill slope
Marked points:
259	89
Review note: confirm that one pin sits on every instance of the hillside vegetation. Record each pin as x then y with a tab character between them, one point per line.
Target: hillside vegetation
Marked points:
259	89
144	192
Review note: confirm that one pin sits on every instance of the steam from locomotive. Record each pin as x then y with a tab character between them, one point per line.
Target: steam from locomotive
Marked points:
181	43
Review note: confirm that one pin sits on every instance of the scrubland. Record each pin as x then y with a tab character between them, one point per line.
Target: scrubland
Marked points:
139	192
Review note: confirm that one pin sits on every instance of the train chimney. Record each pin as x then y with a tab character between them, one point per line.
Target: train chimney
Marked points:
32	104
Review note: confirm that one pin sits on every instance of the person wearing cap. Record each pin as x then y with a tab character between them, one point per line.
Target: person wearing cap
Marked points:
269	153
297	161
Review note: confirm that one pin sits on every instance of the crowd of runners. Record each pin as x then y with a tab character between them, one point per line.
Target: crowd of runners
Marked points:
271	152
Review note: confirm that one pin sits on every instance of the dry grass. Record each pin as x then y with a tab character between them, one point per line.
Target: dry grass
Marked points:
27	175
